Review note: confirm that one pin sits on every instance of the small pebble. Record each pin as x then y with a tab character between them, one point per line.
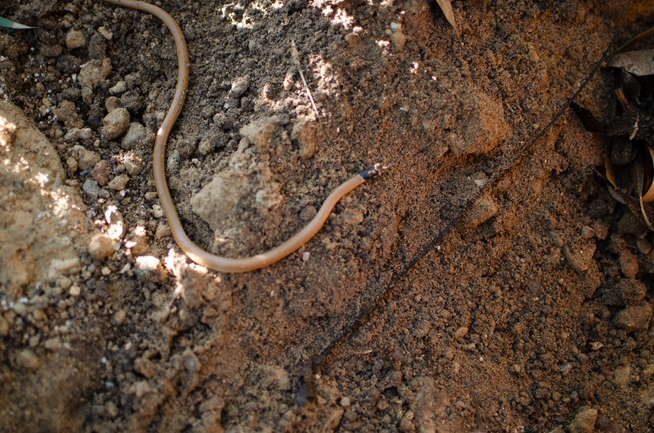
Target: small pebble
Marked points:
65	283
115	123
345	402
461	332
628	264
88	159
644	246
105	32
100	246
34	340
634	317
239	87
91	188
135	135
106	271
584	421
75	39
119	317
120	87
162	230
119	183
133	164
39	315
74	290
4	327
28	359
53	344
20	309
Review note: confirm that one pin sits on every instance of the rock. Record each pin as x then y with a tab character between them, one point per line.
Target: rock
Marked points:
135	135
274	377
132	101
584	421
20	309
219	197
191	361
112	103
628	263
4	327
162	230
634	317
72	165
580	254
621	375
239	87
100	246
260	131
114	218
482	210
133	163
118	88
91	188
624	292
53	344
271	196
87	159
484	128
115	123
119	317
398	39
137	241
118	183
66	111
94	71
74	291
63	267
205	147
36	224
101	172
149	268
304	132
28	359
75	39
461	332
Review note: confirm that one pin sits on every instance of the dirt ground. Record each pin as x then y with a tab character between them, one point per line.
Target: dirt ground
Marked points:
533	315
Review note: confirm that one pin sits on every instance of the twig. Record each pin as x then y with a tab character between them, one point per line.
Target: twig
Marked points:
317	361
295	55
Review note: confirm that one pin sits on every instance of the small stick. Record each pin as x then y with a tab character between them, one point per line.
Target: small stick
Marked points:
295	55
358	320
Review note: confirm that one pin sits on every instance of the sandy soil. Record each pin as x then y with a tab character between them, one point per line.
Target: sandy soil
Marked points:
532	315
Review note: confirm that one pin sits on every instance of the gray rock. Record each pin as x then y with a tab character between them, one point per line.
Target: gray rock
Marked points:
239	87
91	188
135	135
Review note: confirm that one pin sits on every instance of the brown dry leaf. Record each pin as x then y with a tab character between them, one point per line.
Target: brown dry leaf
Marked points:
446	7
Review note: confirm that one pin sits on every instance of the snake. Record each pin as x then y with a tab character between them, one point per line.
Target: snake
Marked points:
193	251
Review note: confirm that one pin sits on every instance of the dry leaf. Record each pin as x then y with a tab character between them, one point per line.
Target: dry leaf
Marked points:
446	7
639	63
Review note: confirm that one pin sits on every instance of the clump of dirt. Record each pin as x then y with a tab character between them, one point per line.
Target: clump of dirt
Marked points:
532	315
